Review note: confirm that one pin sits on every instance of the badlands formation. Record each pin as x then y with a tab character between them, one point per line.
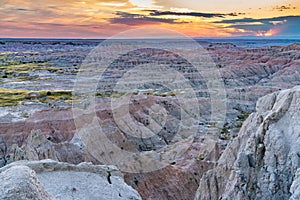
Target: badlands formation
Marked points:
254	155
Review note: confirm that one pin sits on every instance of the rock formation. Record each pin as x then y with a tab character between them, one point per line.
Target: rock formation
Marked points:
179	180
48	179
21	182
295	188
261	159
39	146
262	162
276	119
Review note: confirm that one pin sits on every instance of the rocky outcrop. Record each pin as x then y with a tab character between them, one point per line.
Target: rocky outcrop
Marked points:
262	162
248	74
161	184
36	147
57	123
179	180
48	179
295	46
295	188
39	146
21	182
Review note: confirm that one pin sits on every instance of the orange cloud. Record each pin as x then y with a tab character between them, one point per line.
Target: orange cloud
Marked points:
271	32
94	18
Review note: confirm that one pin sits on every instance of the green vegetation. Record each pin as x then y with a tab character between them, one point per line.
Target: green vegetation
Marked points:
166	94
114	94
4	57
11	97
106	93
20	71
244	115
109	93
74	71
55	95
202	156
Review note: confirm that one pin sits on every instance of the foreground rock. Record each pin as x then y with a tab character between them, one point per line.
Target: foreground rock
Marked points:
295	188
20	182
47	179
262	162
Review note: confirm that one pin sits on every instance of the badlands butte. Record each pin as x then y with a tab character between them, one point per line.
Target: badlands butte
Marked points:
253	154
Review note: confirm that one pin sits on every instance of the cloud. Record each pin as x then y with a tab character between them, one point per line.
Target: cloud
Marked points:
192	14
284	25
139	19
52	30
282	8
260	21
154	16
92	17
24	9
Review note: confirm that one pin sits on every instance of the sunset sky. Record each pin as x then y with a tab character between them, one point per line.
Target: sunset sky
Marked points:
104	18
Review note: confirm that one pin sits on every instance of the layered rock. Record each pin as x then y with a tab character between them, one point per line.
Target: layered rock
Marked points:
295	188
57	123
48	179
180	179
39	146
200	156
21	182
248	74
262	162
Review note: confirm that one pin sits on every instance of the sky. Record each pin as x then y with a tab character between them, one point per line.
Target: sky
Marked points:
105	18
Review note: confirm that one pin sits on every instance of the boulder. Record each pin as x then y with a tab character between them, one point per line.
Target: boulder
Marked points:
21	182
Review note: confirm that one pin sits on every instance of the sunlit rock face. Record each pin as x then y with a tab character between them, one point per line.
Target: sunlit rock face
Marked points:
262	162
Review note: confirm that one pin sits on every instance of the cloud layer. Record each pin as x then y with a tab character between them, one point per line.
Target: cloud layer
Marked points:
284	25
98	19
191	14
138	19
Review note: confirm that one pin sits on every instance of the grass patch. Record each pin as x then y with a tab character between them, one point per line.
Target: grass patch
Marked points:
114	94
243	116
17	67
202	156
12	97
56	95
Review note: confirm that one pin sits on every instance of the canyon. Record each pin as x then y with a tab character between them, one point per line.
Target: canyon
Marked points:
255	154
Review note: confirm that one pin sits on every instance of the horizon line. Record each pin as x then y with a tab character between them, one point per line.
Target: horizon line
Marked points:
107	38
